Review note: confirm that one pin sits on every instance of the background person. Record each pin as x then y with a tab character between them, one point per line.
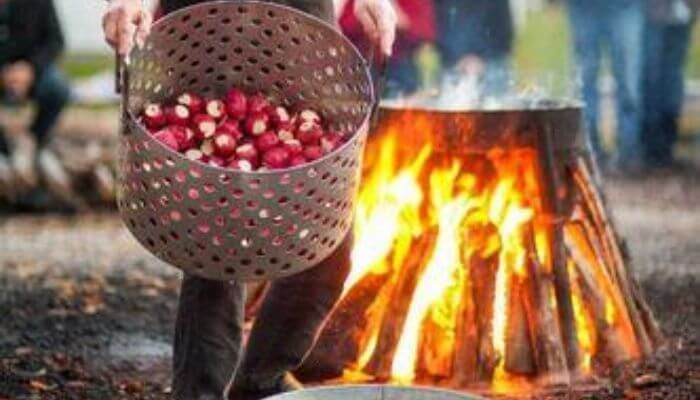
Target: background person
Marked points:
209	327
416	26
616	26
476	39
666	42
31	41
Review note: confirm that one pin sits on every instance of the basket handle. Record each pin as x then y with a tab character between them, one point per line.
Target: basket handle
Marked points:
121	86
377	63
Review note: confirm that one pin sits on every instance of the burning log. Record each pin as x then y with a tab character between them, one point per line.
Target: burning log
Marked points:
467	336
550	358
519	350
484	271
342	341
584	184
394	316
552	207
611	343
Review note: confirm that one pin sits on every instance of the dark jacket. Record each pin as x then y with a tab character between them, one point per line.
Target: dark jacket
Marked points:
34	33
320	8
478	27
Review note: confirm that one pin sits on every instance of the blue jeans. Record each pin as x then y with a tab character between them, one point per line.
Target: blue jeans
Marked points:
617	27
402	76
666	48
51	93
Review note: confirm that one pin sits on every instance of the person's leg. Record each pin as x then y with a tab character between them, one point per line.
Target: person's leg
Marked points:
208	336
586	31
677	41
496	79
625	33
51	94
402	76
652	86
288	324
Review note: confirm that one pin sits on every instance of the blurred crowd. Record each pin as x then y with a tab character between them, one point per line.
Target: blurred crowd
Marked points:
646	41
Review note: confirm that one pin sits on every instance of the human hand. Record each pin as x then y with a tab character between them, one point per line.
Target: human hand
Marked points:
471	65
125	23
379	20
18	78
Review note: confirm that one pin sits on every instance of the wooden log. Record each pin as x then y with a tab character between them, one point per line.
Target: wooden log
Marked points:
610	344
396	311
342	339
464	371
550	357
553	207
624	277
483	271
519	357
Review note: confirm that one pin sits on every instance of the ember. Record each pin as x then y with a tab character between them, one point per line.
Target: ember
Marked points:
483	255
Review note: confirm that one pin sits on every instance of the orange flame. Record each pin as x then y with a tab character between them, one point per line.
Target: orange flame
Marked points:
486	207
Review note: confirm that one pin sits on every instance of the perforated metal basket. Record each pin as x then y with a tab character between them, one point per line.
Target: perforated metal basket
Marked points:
223	224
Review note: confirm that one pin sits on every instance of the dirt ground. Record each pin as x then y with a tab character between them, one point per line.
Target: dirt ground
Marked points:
87	314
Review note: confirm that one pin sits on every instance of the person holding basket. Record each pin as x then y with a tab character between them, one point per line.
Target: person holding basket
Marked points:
208	361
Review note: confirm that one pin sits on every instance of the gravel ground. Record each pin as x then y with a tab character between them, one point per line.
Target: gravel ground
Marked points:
87	313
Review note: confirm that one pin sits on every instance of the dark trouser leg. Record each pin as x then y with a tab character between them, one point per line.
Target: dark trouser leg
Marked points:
208	335
51	94
586	27
289	323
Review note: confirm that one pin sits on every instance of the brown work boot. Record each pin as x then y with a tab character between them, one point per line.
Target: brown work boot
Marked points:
241	390
23	161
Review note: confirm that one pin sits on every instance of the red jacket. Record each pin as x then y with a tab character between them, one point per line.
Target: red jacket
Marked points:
421	14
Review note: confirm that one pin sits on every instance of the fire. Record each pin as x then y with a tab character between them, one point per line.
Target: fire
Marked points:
463	248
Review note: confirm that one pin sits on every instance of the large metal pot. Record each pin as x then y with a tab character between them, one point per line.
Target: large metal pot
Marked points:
374	392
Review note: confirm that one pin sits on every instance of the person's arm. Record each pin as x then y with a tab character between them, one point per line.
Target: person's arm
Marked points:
124	22
52	37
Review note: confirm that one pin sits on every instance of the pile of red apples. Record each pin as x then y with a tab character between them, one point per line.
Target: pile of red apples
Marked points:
241	132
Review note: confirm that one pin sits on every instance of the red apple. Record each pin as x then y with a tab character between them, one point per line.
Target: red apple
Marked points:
276	158
153	116
195	155
257	103
297	161
231	127
216	109
294	147
313	153
193	102
310	116
285	131
241	165
188	139
178	115
224	145
248	152
266	141
330	142
236	104
279	115
168	137
217	162
204	125
309	133
207	147
257	123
